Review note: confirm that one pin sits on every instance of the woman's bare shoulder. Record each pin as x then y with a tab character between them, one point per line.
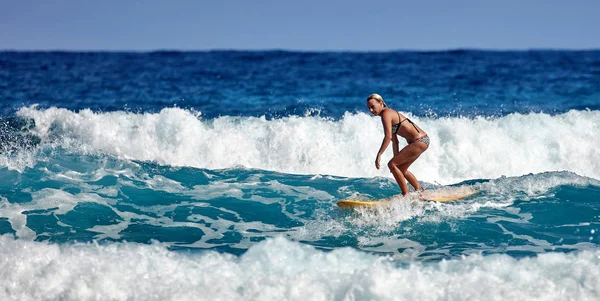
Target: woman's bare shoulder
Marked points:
388	114
392	114
400	114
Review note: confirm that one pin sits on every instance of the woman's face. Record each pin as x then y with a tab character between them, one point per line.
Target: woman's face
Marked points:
375	106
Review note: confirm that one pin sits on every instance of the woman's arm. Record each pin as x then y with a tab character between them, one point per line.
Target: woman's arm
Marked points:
395	144
386	119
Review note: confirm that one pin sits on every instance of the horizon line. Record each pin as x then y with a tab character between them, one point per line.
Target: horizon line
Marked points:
458	49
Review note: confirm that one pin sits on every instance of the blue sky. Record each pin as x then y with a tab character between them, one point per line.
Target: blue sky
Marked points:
298	25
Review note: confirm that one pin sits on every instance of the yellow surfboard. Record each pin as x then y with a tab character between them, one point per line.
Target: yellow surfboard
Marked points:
356	203
440	196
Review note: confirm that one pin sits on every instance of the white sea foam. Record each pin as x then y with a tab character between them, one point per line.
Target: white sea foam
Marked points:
373	222
277	269
461	148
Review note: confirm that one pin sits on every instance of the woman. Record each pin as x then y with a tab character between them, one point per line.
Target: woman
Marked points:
394	125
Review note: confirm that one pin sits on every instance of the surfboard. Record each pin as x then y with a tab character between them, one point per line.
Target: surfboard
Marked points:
440	196
356	203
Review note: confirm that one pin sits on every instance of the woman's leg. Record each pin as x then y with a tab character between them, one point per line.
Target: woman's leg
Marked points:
403	159
410	177
399	178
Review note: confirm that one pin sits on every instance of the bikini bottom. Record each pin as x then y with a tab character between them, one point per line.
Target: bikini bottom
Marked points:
424	139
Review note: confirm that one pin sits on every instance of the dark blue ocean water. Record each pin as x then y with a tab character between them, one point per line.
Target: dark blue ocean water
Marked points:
214	175
277	83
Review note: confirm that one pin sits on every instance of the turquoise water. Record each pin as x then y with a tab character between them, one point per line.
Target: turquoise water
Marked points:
147	177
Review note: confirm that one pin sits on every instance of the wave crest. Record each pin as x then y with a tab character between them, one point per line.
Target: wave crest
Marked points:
461	148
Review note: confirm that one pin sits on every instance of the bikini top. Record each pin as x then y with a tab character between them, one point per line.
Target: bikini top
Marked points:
396	126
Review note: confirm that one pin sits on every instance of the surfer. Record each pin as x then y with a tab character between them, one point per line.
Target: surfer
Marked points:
395	124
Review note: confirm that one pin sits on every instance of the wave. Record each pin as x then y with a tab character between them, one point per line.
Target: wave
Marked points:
461	149
283	270
110	199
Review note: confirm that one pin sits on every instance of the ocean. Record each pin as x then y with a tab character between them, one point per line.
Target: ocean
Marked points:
214	175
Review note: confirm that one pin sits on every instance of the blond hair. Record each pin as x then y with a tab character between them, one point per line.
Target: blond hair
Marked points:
377	97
